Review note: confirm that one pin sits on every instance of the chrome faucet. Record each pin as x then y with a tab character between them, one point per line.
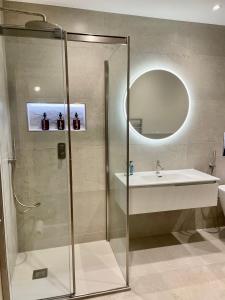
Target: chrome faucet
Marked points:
158	169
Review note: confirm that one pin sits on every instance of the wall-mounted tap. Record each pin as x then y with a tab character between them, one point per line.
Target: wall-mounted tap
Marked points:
158	168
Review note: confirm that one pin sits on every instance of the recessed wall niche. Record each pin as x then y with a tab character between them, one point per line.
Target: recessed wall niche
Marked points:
36	111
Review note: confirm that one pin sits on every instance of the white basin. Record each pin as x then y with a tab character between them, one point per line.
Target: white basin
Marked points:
168	177
164	178
174	190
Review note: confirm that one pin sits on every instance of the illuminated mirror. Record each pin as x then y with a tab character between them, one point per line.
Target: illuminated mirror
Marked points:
159	104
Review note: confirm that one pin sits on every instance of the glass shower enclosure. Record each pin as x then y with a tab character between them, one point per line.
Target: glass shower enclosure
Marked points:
64	229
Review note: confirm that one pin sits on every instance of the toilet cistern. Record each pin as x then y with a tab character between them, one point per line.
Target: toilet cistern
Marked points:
158	169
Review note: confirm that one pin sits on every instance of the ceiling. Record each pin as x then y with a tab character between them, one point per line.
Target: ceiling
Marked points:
182	10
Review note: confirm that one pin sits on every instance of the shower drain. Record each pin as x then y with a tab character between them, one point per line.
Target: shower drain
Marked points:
41	273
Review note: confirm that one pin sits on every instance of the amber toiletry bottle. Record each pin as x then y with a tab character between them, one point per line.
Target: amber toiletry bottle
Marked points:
76	122
45	122
60	122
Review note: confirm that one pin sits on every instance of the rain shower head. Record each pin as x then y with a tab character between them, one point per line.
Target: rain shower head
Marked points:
35	24
41	25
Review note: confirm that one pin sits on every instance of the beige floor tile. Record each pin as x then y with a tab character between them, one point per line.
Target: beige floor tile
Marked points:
150	283
209	291
189	267
188	277
179	264
213	258
167	295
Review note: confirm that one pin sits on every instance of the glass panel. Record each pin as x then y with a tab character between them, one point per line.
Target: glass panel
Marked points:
118	156
41	266
96	267
7	205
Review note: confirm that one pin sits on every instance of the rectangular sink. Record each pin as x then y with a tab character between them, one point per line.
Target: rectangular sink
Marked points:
165	178
173	190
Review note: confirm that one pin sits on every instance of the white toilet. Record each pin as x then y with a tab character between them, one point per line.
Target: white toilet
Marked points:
222	197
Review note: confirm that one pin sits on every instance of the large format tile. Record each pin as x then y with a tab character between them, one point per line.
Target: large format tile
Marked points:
88	168
207	291
89	223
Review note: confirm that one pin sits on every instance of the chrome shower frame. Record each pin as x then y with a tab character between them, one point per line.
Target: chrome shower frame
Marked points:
17	31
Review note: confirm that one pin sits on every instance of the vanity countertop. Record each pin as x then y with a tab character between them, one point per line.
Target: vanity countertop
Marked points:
167	177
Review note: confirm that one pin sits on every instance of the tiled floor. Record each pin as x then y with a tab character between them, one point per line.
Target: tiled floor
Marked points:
96	269
179	266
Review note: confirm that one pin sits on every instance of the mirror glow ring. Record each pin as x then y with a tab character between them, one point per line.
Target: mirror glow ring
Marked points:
136	135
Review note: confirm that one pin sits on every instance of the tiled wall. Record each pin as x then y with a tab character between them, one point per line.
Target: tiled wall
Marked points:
197	53
5	153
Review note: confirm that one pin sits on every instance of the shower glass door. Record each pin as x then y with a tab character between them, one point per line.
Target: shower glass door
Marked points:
118	157
97	264
38	232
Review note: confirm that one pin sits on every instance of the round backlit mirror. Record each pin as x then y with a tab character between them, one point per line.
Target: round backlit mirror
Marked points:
159	104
